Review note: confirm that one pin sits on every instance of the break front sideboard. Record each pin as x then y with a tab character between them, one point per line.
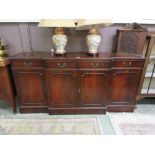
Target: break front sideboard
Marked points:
76	83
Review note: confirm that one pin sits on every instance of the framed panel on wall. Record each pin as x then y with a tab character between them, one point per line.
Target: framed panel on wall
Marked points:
131	39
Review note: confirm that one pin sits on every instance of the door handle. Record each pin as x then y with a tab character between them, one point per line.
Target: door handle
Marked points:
25	64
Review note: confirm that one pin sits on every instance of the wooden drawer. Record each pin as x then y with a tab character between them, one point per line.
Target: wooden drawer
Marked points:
95	64
127	63
27	63
61	64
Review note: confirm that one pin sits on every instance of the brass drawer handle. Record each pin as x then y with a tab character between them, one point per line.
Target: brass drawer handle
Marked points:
30	63
127	64
27	64
94	65
61	65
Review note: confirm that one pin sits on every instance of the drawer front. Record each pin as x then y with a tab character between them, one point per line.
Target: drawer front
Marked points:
27	63
95	64
127	63
61	64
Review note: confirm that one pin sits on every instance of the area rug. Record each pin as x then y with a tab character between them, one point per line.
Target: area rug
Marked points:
133	124
82	126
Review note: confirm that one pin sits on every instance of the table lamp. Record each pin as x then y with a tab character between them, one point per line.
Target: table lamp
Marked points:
3	52
93	39
59	39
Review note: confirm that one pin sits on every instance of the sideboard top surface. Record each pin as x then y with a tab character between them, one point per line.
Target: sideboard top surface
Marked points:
75	55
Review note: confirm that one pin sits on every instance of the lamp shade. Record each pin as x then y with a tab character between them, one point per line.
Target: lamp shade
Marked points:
86	24
57	23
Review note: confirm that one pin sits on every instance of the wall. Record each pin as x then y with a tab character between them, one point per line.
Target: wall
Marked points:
26	37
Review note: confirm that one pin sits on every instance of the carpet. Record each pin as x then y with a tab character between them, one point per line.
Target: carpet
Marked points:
44	126
133	124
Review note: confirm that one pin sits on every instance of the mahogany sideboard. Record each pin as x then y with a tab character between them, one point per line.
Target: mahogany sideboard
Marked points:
7	91
76	83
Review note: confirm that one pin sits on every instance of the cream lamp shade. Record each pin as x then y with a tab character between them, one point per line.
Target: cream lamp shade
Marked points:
87	24
57	23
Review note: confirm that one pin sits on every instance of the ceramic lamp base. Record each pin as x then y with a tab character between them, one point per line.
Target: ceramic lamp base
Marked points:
60	52
93	41
60	41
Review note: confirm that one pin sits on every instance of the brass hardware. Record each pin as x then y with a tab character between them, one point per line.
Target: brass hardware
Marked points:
25	64
28	64
94	65
127	64
93	30
59	30
61	65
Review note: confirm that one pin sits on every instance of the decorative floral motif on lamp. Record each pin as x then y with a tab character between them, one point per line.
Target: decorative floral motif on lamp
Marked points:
60	41
93	42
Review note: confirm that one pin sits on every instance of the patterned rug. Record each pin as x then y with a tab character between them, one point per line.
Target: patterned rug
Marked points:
82	126
133	124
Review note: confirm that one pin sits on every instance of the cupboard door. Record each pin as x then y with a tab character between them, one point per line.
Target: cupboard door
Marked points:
62	88
30	87
94	88
124	86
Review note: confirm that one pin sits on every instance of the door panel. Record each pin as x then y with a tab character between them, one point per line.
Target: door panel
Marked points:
62	88
30	87
94	88
124	86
